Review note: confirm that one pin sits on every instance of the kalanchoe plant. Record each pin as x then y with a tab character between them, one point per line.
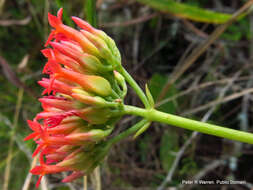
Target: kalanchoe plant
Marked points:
82	103
84	99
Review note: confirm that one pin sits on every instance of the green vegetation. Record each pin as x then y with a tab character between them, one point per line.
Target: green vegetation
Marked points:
156	38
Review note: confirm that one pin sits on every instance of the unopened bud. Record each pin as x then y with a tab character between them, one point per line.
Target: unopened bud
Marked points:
99	43
92	63
95	115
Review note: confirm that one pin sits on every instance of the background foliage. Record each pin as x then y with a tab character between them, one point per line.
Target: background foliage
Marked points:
156	39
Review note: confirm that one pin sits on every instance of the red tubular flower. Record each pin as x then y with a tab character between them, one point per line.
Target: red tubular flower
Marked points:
55	55
92	83
36	128
75	35
44	169
57	86
80	112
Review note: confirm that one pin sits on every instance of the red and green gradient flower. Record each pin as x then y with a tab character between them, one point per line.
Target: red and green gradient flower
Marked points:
81	102
84	99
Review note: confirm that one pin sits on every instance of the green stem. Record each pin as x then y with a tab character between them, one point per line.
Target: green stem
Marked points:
114	94
154	115
135	86
128	132
90	12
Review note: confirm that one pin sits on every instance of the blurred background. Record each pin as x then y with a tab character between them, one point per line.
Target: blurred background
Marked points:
196	56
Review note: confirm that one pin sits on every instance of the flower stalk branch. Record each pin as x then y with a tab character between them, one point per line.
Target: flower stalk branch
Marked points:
128	132
84	99
206	128
135	86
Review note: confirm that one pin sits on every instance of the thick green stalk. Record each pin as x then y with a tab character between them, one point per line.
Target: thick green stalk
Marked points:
135	86
206	128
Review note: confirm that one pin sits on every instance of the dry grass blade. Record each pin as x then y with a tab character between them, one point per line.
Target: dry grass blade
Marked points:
199	87
44	183
219	101
24	21
12	77
198	51
23	64
11	144
85	182
194	29
28	179
29	176
1	6
96	179
45	24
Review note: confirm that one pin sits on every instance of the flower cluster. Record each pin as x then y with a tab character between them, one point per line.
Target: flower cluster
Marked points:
83	97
